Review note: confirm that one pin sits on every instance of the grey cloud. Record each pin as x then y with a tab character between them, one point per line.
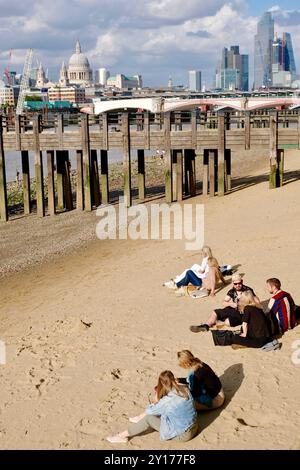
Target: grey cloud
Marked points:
287	18
199	34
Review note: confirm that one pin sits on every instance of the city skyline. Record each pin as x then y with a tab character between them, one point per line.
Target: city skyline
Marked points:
155	39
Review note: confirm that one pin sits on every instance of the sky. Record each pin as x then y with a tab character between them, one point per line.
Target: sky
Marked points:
155	38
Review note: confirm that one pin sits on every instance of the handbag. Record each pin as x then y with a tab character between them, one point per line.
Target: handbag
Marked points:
223	337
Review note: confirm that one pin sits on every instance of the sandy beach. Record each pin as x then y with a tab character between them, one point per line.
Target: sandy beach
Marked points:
88	327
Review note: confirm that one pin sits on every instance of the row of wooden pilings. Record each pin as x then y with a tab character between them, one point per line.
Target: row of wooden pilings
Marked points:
180	176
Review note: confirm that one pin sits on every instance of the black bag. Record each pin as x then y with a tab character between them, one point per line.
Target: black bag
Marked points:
223	337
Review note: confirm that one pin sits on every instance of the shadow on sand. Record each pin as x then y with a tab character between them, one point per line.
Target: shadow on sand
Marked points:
231	380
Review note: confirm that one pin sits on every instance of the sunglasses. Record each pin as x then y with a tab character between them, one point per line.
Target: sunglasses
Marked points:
237	283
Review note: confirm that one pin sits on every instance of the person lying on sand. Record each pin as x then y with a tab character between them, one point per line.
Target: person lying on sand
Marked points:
230	313
173	414
205	386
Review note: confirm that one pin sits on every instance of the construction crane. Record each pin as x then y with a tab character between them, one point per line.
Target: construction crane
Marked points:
24	82
7	69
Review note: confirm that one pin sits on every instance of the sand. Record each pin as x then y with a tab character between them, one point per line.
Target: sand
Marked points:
87	333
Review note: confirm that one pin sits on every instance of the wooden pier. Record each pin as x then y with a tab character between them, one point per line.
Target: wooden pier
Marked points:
181	134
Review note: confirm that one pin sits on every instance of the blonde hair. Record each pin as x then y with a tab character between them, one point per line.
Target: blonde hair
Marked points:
236	277
187	360
247	298
167	383
206	251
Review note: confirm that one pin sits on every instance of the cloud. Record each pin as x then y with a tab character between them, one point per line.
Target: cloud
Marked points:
155	37
285	17
199	34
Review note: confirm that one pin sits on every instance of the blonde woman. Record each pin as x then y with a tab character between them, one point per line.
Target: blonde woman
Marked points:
255	331
173	414
194	275
204	384
214	277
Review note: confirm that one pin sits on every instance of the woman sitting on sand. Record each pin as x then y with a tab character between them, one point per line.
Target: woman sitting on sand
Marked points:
194	275
204	384
173	414
212	280
255	330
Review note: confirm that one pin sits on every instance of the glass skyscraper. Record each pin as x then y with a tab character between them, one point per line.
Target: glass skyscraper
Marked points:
233	71
263	51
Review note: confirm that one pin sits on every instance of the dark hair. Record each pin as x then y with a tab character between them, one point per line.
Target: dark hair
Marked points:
274	282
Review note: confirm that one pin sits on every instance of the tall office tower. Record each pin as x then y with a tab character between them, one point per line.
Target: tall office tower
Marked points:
263	51
233	71
194	80
283	61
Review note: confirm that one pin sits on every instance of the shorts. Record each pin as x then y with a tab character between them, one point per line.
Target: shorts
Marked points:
233	315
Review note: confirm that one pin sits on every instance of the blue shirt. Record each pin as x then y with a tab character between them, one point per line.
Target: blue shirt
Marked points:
177	414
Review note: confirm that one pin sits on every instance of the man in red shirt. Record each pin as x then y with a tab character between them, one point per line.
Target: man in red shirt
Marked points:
281	307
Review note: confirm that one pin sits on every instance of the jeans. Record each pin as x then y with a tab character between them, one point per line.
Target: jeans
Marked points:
150	422
190	278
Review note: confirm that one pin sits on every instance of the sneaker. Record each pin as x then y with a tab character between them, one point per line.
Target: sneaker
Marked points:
117	439
170	284
198	328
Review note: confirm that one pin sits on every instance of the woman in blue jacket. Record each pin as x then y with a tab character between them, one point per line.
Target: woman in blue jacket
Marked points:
173	414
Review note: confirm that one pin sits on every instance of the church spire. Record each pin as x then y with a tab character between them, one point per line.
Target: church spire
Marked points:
78	47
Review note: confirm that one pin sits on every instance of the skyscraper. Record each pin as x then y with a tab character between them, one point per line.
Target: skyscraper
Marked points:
263	51
233	71
194	80
283	62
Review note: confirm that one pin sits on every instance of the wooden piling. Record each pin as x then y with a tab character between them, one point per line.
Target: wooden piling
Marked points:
280	165
247	130
273	149
228	170
221	155
79	185
3	188
67	181
146	131
141	174
212	173
205	172
126	160
189	172
50	182
104	177
85	142
26	181
60	180
96	197
168	158
38	165
179	175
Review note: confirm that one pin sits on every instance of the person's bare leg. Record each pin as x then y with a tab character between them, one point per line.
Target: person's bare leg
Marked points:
212	319
205	326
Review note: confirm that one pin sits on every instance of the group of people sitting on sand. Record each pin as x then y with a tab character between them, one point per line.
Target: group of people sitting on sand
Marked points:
241	307
174	409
